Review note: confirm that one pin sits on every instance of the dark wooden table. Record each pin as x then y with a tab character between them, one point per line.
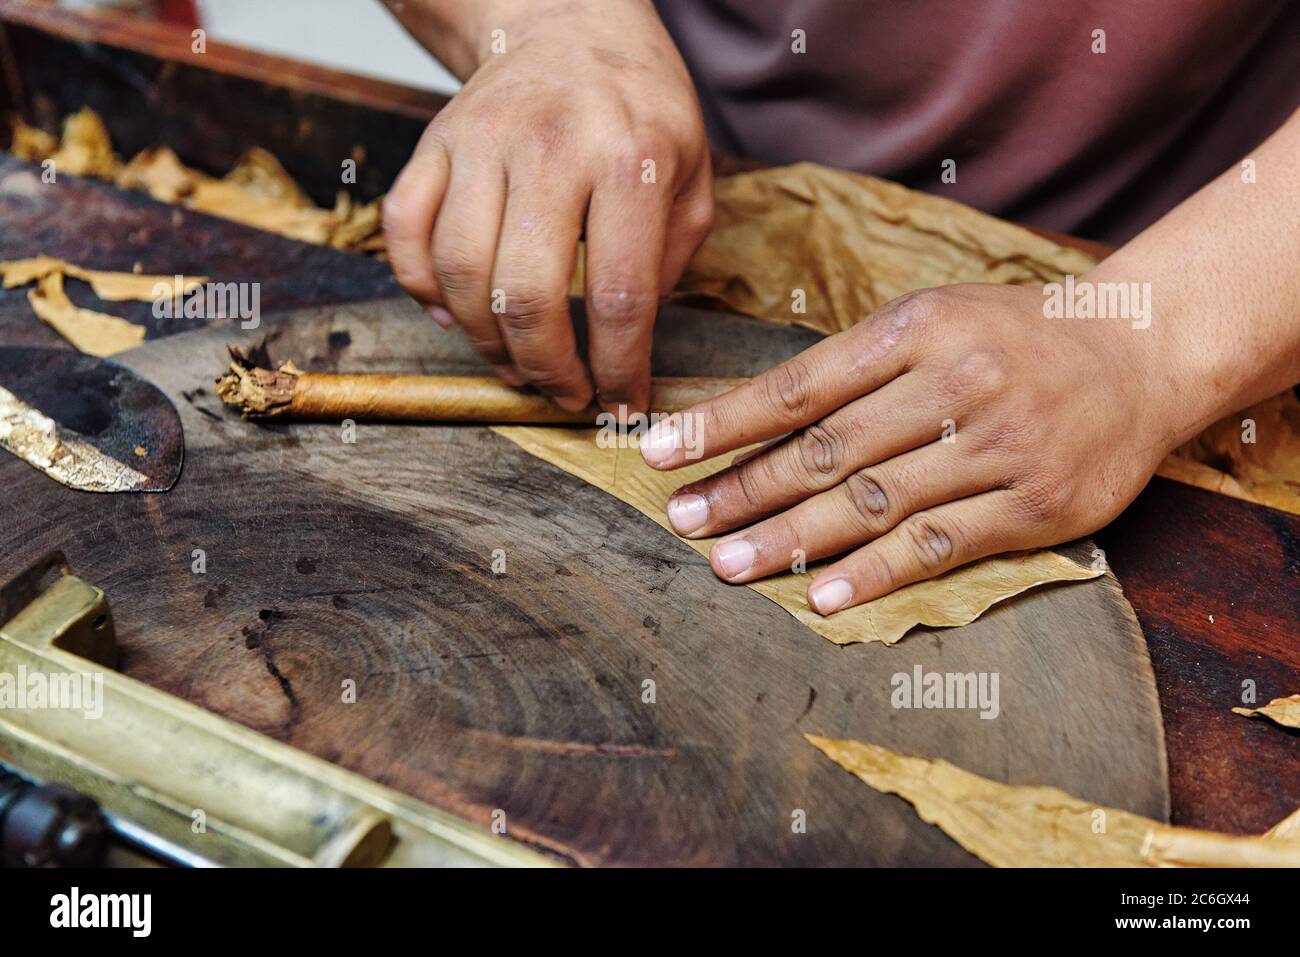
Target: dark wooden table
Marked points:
1215	582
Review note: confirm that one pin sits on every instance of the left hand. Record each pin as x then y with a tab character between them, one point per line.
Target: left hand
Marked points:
1053	425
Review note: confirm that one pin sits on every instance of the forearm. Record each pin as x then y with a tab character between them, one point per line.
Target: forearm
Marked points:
460	33
1224	269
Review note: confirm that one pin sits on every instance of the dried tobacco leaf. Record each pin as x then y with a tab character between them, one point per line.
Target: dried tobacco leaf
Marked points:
85	149
1284	711
95	333
30	144
853	243
1259	463
159	172
113	286
956	598
1028	826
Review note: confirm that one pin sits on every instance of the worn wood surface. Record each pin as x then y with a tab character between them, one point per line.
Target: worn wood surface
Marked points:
1177	550
1216	585
371	562
152	88
96	226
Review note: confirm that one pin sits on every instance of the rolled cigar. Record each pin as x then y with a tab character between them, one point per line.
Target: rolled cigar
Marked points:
290	393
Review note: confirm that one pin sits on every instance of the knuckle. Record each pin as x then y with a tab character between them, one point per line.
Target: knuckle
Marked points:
490	349
983	372
457	267
697	217
787	389
749	486
868	499
437	135
549	377
902	324
876	567
410	277
620	304
917	309
396	212
700	217
818	451
551	132
648	144
932	544
529	310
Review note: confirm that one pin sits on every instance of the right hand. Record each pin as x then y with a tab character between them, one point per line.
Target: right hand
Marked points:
555	134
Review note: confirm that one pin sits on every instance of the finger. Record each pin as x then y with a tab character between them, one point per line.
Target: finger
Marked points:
534	265
899	416
409	211
757	450
925	544
786	397
626	227
464	248
689	225
866	505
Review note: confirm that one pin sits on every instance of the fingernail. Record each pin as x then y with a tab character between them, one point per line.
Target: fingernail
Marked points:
510	375
734	557
830	596
688	513
441	316
660	443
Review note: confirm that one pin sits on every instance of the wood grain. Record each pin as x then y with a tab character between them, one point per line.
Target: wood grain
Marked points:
97	226
1204	535
523	692
1216	584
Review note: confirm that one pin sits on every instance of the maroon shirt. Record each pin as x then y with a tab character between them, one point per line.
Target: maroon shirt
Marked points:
1042	129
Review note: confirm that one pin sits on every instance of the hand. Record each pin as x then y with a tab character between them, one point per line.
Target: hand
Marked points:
1051	423
587	119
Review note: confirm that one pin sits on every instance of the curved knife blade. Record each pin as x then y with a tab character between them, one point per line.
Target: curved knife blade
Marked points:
88	422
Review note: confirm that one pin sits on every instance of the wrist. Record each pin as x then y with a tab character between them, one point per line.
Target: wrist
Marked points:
1185	377
500	25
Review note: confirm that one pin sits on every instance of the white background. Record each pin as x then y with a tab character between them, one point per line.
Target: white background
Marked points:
359	36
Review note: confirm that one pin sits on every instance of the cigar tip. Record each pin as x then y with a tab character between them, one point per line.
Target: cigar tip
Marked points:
256	392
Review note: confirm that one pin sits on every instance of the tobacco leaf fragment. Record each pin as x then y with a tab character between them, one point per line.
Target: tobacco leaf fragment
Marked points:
956	598
1283	711
30	144
113	286
257	192
1031	826
85	149
95	333
1260	464
159	172
852	243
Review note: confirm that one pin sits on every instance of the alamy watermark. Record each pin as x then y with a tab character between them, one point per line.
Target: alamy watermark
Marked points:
213	300
951	690
670	431
60	691
1082	299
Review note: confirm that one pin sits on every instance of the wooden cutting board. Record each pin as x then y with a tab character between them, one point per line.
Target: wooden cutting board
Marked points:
520	697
